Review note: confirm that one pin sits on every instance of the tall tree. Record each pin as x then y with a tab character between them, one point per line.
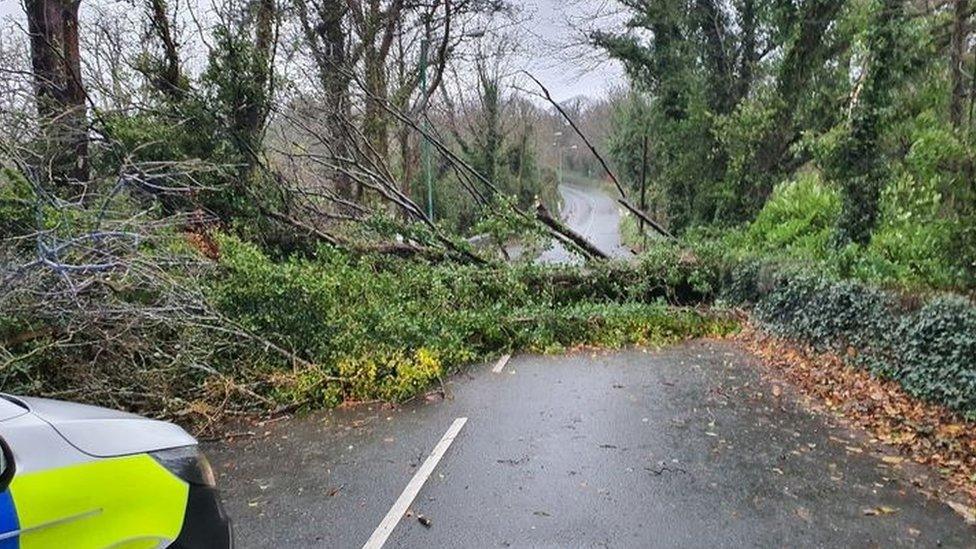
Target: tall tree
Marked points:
957	48
326	34
860	165
60	95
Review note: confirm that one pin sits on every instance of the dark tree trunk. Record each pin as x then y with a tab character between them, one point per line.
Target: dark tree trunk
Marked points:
957	47
328	39
712	24
56	61
748	51
256	111
170	78
861	168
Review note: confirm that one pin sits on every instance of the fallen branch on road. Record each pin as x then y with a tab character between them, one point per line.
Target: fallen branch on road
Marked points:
606	167
543	215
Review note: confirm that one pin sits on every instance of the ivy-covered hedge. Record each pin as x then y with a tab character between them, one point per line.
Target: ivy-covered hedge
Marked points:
926	344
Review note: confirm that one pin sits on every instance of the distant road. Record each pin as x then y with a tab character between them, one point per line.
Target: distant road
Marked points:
590	211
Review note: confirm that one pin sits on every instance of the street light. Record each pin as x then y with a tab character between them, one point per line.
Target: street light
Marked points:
425	144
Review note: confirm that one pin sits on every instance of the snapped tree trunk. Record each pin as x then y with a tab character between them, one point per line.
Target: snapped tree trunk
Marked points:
60	96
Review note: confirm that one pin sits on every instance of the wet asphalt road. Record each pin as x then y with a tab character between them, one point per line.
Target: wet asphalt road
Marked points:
591	212
680	447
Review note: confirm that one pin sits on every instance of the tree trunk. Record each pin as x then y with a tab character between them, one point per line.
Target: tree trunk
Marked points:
56	61
960	33
711	21
256	110
170	79
328	41
860	166
375	123
748	56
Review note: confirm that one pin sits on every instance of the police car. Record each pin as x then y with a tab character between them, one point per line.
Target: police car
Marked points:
77	476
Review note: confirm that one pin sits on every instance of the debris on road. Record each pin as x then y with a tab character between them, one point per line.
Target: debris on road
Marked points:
923	433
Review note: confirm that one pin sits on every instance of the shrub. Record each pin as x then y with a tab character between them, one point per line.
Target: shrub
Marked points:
798	218
827	314
935	353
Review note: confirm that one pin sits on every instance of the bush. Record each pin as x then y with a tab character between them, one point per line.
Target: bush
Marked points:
827	314
935	353
929	348
798	219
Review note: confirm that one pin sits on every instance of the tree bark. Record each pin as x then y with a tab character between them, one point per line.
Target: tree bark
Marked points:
960	33
256	111
170	79
60	96
328	41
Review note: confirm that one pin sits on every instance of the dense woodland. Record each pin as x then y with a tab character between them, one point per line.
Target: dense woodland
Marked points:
850	122
270	204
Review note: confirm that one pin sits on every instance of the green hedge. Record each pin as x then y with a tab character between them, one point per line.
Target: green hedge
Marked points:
926	344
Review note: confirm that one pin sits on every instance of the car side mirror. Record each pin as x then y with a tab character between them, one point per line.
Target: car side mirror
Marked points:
7	465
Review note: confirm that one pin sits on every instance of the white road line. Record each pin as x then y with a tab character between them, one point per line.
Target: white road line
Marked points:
500	365
392	518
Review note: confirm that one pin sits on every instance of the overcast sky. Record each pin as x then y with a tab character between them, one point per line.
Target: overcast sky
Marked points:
552	30
555	31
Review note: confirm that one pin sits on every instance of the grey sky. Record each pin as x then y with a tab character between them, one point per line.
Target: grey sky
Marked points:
553	53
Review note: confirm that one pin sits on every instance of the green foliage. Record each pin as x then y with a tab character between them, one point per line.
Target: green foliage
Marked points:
390	327
854	109
797	220
17	211
916	245
931	351
934	353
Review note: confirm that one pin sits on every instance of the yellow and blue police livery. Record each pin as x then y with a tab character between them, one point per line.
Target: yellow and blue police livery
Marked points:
85	477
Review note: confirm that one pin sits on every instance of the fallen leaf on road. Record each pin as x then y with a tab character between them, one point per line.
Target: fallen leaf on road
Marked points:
923	433
880	510
894	460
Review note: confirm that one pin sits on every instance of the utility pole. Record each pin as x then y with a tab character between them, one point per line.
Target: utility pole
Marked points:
424	142
559	151
643	188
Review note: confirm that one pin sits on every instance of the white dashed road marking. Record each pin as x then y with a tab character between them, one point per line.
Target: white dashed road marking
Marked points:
392	518
500	365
